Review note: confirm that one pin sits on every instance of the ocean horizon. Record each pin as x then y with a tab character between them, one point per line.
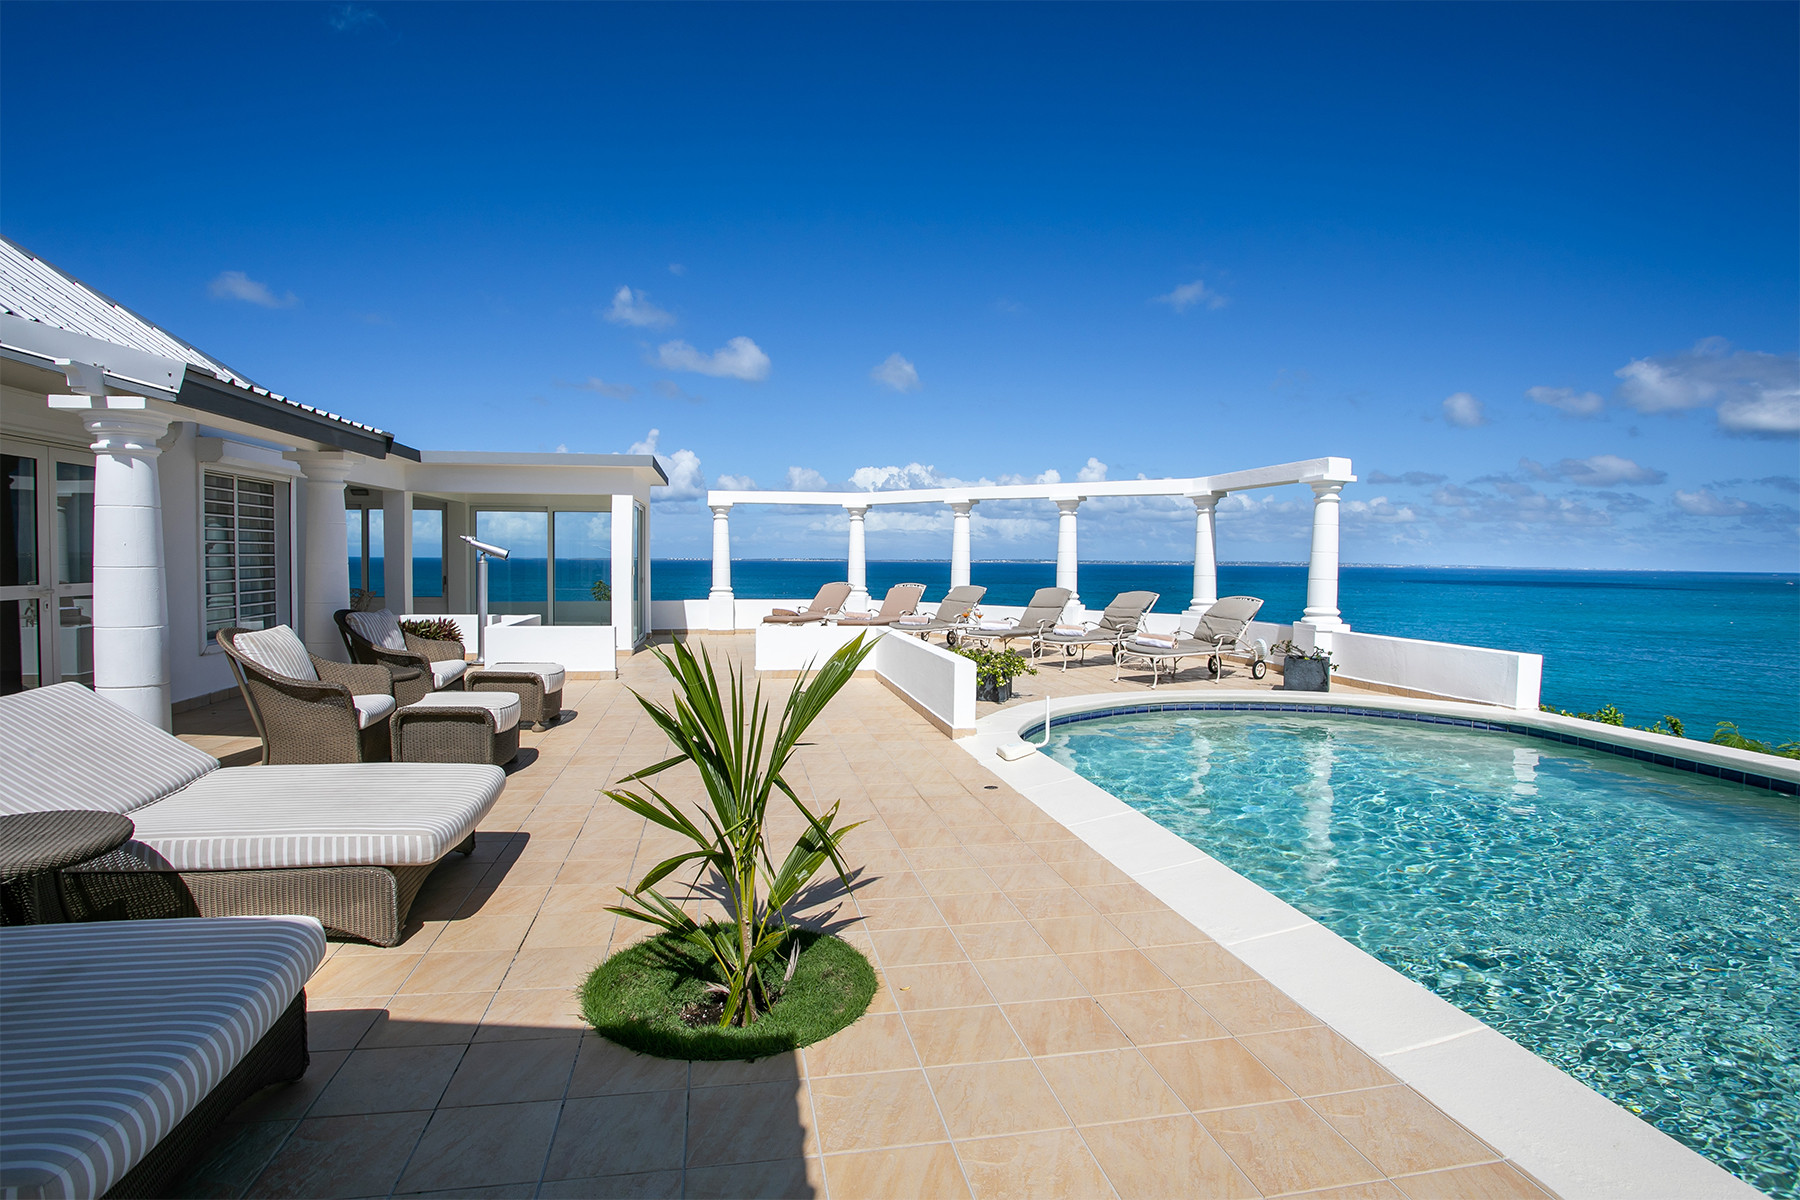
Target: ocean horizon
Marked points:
1703	646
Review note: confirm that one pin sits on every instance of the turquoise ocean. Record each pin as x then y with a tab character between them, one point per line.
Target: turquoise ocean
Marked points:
1704	647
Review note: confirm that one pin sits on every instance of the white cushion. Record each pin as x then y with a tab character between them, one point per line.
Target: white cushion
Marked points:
371	708
995	624
1154	641
913	619
68	748
504	705
551	675
333	815
116	1030
278	650
447	671
381	628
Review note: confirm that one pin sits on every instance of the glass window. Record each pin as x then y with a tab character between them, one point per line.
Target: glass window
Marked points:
353	541
428	552
584	568
521	582
18	524
377	519
239	575
75	523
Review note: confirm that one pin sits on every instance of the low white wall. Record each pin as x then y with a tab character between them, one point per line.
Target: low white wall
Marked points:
1504	677
679	616
805	647
588	649
940	684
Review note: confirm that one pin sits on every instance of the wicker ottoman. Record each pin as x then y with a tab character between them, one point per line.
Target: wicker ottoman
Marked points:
539	687
458	727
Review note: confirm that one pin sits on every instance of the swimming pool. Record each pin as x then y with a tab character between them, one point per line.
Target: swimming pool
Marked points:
1637	926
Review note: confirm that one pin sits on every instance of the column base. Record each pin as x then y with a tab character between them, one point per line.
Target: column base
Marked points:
858	600
150	703
721	612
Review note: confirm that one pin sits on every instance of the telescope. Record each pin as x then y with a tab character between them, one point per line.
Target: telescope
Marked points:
483	547
483	552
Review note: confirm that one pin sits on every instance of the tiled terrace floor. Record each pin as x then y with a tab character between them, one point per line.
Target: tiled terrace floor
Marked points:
1044	1027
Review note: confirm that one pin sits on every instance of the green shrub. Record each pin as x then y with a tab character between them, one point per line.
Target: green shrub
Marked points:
601	590
434	629
1727	735
996	668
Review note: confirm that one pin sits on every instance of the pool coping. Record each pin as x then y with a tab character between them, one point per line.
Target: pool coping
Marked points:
1573	1139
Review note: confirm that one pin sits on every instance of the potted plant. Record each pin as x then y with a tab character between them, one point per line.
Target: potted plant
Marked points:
994	672
1304	670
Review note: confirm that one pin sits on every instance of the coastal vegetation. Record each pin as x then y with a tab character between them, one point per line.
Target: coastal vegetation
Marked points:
733	970
1726	734
435	629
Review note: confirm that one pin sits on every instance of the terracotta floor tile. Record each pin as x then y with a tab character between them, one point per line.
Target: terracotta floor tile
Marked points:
1400	1131
1253	1006
941	985
1091	872
564	967
1080	934
470	1147
1026	877
403	1079
1003	854
868	1112
234	1157
941	858
961	881
604	1068
1113	971
1055	902
1317	1060
989	1099
877	1042
962	1035
1109	1085
512	1072
343	1156
748	1123
556	930
800	1178
1166	1157
1377	1190
293	1100
646	1185
1287	1147
1004	939
341	1028
904	1171
1032	1166
473	971
1171	1015
525	1013
362	975
1066	1026
977	908
1199	963
432	1019
509	899
619	1135
1489	1181
1115	899
1158	927
913	947
1215	1074
1017	980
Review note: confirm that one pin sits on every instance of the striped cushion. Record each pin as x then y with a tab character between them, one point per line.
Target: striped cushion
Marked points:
339	815
68	748
115	1031
504	705
447	671
550	675
372	708
382	628
278	650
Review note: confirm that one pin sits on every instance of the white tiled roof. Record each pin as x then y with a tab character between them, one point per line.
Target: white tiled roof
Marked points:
33	289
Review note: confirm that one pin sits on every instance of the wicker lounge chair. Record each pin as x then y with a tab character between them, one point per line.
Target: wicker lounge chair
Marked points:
539	687
458	727
128	1043
1045	610
831	597
349	844
1120	620
1221	629
309	709
902	599
952	612
376	637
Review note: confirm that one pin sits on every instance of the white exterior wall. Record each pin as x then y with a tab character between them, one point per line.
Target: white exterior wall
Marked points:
937	681
581	649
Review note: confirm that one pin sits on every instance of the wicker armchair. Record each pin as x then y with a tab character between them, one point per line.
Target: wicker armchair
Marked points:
340	715
420	654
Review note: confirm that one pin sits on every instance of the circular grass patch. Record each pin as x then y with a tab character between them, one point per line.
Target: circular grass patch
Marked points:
639	996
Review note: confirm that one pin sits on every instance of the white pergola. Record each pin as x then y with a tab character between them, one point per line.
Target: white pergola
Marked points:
1326	477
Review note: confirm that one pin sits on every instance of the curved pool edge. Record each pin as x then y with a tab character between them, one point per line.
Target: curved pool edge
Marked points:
1574	1140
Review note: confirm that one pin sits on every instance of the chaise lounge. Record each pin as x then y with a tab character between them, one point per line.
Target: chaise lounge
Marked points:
830	599
348	844
1045	610
1222	628
1120	620
901	600
952	612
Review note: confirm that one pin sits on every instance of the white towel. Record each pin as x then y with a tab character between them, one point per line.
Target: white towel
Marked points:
1159	641
1069	630
913	619
996	624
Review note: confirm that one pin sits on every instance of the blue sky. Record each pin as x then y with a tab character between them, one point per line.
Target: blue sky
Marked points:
1534	269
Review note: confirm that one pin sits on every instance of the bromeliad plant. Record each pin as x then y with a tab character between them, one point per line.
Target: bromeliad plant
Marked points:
742	767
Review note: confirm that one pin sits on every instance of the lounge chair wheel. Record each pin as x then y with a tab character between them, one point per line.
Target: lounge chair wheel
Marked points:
1258	669
1214	666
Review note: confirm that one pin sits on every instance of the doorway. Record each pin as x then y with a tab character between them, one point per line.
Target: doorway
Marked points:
46	566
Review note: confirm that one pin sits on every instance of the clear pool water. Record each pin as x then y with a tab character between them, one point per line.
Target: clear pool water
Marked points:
1637	926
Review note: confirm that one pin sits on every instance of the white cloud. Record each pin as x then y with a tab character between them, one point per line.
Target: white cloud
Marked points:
1567	400
887	479
598	386
1755	393
1189	294
737	483
1381	510
1464	411
897	373
1602	470
677	269
1050	476
1705	504
739	358
686	482
348	18
1410	478
1094	472
235	285
805	479
634	309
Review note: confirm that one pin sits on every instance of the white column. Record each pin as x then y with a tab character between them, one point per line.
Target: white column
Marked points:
1206	554
859	566
624	539
1322	568
326	586
959	542
396	550
722	605
131	592
1065	547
